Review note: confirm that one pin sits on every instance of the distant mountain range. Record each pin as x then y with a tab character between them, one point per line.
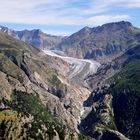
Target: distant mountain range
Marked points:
103	43
34	37
86	87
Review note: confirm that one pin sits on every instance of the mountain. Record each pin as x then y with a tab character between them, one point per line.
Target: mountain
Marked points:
33	37
103	43
46	94
37	100
115	103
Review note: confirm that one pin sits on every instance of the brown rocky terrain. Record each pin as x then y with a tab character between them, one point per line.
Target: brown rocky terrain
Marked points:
45	95
30	84
103	43
34	37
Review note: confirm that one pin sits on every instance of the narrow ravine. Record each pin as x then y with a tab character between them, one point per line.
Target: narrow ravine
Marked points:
79	69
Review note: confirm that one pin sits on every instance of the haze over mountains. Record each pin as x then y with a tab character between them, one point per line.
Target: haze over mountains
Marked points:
81	87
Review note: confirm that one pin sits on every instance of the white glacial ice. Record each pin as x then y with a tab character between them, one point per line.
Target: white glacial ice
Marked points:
77	66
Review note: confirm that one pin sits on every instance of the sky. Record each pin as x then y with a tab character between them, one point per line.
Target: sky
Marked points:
64	17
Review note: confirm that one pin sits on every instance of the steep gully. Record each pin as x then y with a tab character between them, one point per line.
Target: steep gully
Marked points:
78	70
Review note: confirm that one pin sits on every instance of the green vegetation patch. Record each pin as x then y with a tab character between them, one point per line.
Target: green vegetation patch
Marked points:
28	104
55	83
8	67
126	99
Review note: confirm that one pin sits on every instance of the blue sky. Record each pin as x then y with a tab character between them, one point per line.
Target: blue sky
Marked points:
64	17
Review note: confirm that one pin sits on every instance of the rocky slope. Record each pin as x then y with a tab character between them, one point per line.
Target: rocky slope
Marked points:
103	43
33	37
115	101
47	95
35	103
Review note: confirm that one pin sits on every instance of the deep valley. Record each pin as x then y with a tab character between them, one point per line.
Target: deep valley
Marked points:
85	86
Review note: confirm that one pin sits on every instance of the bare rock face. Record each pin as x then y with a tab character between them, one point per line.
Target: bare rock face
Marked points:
26	74
34	37
99	122
5	91
103	43
112	99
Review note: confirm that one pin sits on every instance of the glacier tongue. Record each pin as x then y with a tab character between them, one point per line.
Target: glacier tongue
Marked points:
79	68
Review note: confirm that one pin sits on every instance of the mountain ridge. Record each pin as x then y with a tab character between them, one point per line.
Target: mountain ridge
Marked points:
113	99
31	80
101	43
34	37
40	100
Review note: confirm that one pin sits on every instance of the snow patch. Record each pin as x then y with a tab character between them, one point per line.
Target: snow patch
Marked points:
59	52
